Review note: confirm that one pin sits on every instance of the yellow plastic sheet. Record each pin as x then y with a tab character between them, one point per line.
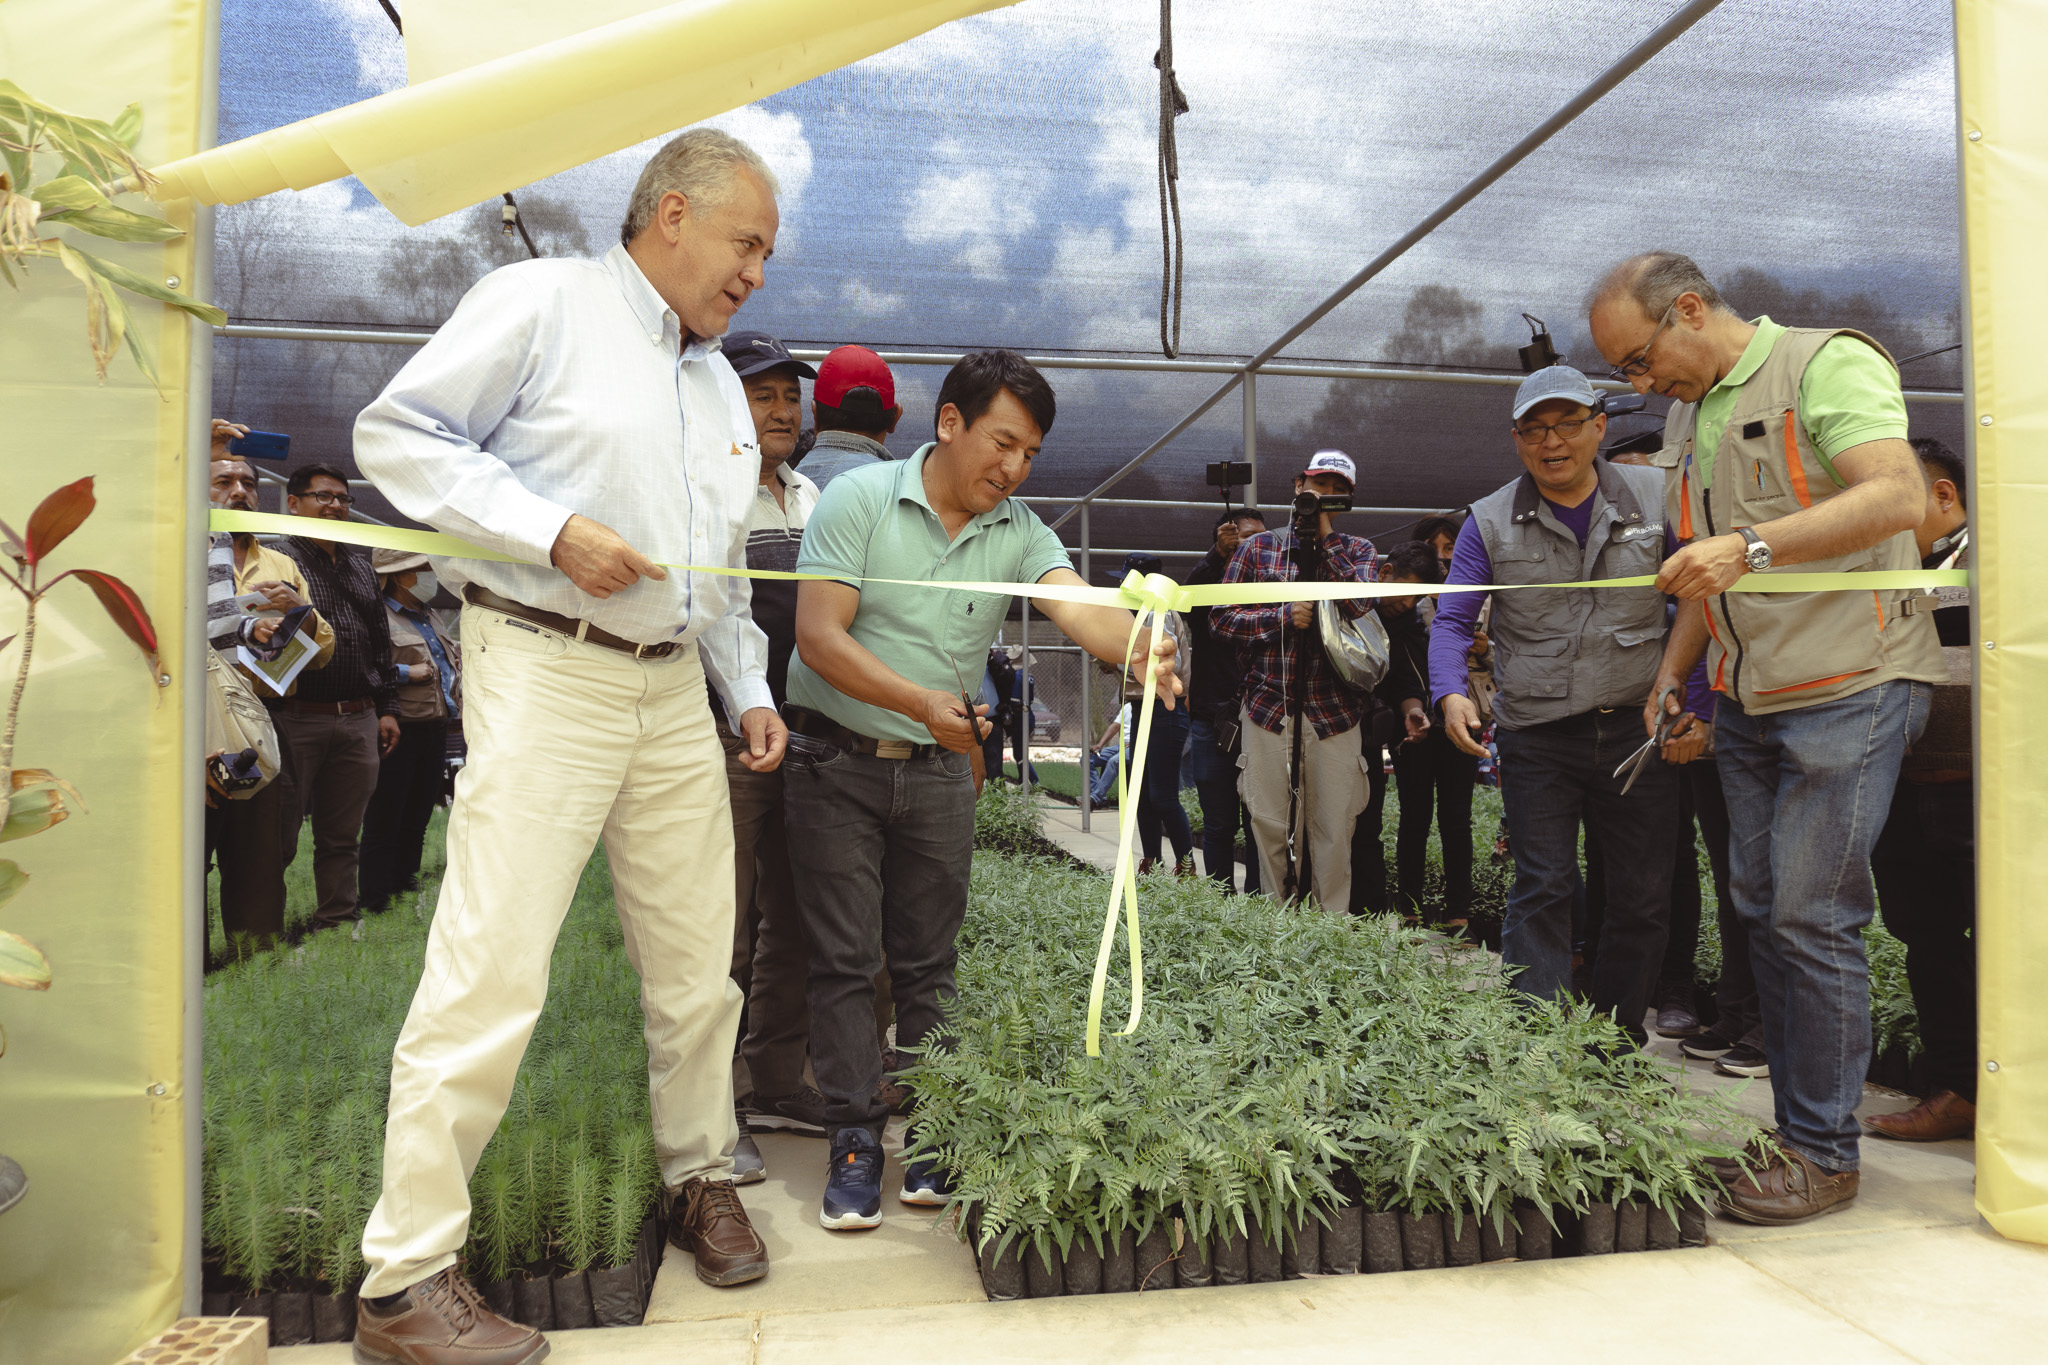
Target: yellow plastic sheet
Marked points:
2003	150
444	144
92	1100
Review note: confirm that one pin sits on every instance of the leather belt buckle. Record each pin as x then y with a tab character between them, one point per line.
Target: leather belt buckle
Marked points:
895	748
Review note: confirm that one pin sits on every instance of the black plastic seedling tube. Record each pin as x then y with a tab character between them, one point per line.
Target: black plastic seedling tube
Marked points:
1692	1225
1301	1252
572	1302
1230	1255
1042	1274
1382	1238
1002	1269
1422	1241
1461	1247
1532	1241
291	1319
1119	1267
1081	1270
1629	1225
1192	1267
1660	1231
1496	1236
615	1296
1596	1230
1343	1241
1262	1255
499	1298
1154	1263
533	1304
334	1317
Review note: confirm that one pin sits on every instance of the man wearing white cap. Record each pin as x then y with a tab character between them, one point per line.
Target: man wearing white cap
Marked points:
1289	686
1574	667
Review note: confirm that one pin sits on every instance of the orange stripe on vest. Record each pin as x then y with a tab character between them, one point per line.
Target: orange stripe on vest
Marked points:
1794	470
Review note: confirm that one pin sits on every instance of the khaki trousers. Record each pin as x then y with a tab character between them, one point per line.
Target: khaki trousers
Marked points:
1332	795
567	741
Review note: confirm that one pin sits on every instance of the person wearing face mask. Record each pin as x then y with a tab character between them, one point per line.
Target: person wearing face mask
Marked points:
429	696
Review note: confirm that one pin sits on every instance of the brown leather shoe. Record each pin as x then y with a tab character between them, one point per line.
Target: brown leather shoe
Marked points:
1939	1117
1790	1189
440	1321
707	1219
1754	1154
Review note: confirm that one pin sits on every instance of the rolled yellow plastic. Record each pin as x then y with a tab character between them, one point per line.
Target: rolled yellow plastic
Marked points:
2003	150
460	138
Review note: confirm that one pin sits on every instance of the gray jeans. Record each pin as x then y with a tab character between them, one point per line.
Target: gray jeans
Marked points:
880	849
333	766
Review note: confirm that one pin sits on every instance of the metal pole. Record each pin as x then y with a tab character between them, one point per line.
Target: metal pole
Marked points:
1087	685
1251	436
1665	34
1024	759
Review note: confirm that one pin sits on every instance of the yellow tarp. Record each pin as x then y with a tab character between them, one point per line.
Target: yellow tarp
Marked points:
444	144
93	1099
2003	149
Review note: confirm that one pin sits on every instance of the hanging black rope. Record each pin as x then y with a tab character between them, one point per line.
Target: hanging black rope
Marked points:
1172	104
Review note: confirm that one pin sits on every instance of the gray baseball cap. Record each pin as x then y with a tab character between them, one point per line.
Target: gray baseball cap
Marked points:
1556	381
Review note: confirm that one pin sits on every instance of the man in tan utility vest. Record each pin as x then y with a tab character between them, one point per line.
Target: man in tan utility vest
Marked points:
1787	447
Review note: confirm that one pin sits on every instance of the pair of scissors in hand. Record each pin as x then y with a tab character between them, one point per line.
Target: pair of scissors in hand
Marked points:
1669	727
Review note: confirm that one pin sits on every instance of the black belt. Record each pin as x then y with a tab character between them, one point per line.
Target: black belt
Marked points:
805	721
564	625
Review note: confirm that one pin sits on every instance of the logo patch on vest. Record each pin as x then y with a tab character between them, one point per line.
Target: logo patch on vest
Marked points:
1752	431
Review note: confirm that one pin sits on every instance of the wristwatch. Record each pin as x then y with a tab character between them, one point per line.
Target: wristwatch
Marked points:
1758	555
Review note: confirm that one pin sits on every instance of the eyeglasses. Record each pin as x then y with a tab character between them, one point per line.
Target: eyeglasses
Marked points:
1639	363
1536	435
331	499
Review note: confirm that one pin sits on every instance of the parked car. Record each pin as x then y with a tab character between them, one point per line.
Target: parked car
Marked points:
1045	723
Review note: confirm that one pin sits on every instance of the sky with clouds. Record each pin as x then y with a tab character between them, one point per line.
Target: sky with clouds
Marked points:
994	182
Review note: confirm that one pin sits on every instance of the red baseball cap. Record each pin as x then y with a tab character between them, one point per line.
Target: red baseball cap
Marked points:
852	368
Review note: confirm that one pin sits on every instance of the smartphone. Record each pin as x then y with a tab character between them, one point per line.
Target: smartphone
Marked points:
261	445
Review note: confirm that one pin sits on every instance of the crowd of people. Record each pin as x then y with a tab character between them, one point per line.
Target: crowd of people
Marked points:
784	773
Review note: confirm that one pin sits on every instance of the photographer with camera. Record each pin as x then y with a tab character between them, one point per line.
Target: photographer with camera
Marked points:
1302	752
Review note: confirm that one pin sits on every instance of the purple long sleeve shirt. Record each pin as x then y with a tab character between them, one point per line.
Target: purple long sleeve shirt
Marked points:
1457	613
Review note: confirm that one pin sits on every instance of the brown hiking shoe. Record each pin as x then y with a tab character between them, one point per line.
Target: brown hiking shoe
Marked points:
1790	1189
1755	1154
1939	1117
441	1321
706	1219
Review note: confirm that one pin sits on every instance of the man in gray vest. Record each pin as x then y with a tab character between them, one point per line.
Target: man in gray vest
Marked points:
1574	667
1786	446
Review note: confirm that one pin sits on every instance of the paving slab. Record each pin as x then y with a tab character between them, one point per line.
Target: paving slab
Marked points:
729	1341
908	1262
1613	1308
1961	1294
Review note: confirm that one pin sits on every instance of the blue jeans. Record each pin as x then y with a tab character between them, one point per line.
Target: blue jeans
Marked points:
1223	810
1808	792
1553	777
1159	809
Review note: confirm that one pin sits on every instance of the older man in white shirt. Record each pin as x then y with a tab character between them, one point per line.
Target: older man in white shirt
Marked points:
579	415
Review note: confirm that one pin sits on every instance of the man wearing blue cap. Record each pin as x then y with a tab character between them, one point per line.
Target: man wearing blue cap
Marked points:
1574	667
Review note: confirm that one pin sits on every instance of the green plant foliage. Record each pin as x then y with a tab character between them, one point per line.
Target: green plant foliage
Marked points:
298	1067
1287	1061
1006	820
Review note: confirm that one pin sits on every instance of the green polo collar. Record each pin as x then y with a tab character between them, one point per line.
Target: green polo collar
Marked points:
1754	354
910	488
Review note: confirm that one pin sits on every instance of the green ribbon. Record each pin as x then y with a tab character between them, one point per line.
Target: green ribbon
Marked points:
1146	595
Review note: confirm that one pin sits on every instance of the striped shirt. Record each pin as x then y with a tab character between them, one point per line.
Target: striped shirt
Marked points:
565	387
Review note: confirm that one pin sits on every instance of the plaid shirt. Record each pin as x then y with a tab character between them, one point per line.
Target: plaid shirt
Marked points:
1255	632
344	590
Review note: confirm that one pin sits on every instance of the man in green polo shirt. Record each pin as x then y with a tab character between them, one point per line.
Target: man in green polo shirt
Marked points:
1787	447
878	792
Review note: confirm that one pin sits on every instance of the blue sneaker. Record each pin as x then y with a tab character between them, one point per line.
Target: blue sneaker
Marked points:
925	1182
853	1185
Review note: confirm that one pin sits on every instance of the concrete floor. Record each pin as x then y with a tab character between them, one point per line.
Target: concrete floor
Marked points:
1906	1273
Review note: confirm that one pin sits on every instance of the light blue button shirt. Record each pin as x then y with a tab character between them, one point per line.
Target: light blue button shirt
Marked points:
563	387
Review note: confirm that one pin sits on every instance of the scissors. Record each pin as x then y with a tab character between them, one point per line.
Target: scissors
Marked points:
1668	727
972	720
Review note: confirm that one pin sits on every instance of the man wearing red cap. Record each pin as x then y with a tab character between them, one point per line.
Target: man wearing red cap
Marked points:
854	406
